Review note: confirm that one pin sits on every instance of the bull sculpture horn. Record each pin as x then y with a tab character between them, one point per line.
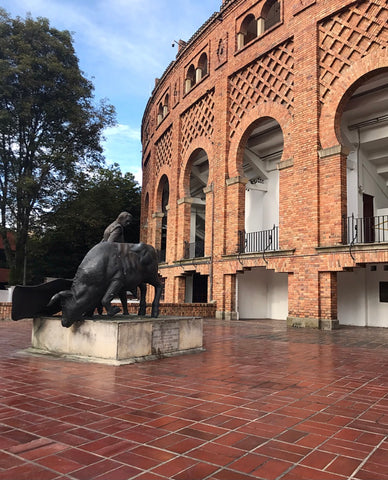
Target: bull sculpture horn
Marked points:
59	296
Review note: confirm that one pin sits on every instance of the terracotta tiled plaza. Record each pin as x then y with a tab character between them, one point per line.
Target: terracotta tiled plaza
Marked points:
262	402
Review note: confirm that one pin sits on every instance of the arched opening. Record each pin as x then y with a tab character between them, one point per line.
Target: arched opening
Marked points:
160	112
262	293
164	199
166	105
202	66
199	175
196	285
364	130
190	78
362	292
248	31
271	13
262	153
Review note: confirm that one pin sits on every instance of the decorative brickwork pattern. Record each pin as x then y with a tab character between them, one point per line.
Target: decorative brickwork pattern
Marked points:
269	78
163	151
348	36
198	120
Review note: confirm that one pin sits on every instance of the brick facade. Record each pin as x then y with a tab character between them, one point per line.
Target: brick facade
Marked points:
300	70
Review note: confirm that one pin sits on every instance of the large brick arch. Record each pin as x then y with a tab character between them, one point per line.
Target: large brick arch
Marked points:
269	109
330	119
198	144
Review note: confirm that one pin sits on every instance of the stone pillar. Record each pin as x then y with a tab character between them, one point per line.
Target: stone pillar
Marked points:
240	40
198	75
209	220
179	289
187	85
312	298
328	300
260	26
157	230
332	195
235	220
225	296
184	213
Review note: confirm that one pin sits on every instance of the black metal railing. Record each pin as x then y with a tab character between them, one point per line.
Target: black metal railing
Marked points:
194	250
262	241
365	229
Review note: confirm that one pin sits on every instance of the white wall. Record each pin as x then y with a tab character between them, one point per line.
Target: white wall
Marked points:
262	204
358	297
262	294
6	295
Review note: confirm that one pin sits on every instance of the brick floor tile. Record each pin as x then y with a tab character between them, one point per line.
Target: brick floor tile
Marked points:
138	461
318	459
150	476
343	466
372	471
248	463
28	472
167	441
197	472
291	436
154	453
174	466
108	446
197	433
80	456
305	473
9	461
97	469
272	469
59	464
226	474
214	453
249	443
185	445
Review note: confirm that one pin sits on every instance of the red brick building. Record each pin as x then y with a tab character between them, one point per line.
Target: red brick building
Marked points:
265	164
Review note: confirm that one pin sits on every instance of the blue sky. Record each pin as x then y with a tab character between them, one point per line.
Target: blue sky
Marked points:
122	46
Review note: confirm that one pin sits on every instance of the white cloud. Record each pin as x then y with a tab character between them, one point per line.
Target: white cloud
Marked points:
123	146
122	132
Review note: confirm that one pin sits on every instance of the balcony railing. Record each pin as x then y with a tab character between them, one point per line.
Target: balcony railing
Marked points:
365	229
194	249
262	241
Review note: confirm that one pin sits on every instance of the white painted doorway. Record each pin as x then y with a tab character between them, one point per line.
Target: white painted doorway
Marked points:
362	296
262	293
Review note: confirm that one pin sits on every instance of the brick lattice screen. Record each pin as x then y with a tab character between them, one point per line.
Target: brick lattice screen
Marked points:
348	36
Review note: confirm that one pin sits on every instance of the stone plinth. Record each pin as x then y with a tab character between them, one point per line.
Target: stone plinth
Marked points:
120	340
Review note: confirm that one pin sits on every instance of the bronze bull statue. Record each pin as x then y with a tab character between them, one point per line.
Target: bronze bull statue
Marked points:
108	270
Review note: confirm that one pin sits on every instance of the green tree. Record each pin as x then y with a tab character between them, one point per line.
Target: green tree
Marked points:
50	128
77	223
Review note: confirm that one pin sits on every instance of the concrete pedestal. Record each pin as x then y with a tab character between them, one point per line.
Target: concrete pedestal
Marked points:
118	341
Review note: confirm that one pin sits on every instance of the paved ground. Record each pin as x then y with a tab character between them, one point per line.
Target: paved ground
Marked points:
262	402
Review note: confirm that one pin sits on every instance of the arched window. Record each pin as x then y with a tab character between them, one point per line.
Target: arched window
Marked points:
271	13
190	78
248	31
160	112
202	66
166	105
161	240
